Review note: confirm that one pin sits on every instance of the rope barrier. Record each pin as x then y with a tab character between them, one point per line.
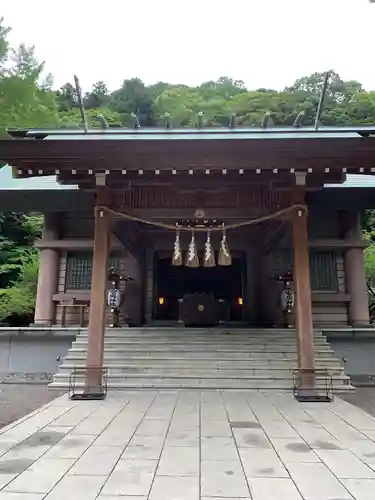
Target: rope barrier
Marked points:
170	227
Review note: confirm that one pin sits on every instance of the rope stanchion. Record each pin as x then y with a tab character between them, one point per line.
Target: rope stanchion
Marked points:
170	227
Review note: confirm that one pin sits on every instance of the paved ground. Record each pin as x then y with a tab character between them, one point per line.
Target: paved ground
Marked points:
363	397
16	400
189	445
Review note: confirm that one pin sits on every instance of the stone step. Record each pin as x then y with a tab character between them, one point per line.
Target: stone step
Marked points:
80	360
192	341
216	355
141	337
266	372
285	375
183	378
62	381
201	358
219	347
193	334
176	330
131	333
189	343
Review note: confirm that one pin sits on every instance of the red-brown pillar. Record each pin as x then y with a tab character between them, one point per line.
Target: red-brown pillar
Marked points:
45	307
303	309
98	302
355	275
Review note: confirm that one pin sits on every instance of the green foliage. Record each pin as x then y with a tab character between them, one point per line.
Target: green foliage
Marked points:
24	101
98	97
73	119
17	233
4	45
368	234
133	97
370	263
17	302
66	97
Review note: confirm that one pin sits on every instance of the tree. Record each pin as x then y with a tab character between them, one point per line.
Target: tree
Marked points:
19	263
23	101
338	90
67	97
225	87
25	64
4	45
18	232
73	118
361	109
182	103
133	97
17	302
99	96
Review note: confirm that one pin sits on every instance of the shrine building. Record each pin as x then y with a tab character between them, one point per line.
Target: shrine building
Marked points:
139	201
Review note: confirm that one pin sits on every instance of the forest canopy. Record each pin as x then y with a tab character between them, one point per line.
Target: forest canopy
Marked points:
28	99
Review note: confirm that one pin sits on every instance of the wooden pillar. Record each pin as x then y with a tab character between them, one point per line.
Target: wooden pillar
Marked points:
355	276
98	301
45	308
303	309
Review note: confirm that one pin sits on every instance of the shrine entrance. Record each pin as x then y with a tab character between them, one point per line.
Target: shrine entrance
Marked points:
180	291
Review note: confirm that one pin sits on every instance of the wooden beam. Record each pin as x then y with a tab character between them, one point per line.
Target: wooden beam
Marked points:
172	214
337	243
328	297
80	295
78	244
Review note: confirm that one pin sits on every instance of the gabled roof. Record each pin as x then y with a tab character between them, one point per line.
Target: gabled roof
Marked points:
160	133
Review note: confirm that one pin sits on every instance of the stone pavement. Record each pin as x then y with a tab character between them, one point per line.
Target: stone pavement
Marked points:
189	445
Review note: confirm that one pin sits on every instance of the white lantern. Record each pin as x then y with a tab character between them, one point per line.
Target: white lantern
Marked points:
287	300
114	298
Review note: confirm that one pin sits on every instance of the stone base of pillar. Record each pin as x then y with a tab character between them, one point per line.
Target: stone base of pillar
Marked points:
42	324
311	396
360	325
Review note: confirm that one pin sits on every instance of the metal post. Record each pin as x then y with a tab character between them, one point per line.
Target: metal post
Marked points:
321	101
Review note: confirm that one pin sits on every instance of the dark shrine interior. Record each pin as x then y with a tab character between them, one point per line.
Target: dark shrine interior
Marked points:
226	283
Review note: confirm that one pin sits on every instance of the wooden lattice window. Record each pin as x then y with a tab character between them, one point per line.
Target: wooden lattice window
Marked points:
323	271
79	269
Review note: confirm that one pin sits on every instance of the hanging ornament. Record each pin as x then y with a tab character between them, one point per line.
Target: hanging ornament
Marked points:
209	256
192	259
177	254
225	258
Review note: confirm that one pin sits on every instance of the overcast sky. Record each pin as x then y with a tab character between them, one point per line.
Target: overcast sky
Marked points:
266	43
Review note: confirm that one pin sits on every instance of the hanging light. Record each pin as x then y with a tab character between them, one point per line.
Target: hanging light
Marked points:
177	254
192	259
225	258
209	256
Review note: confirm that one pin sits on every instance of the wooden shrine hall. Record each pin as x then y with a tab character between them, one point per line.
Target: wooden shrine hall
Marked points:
268	201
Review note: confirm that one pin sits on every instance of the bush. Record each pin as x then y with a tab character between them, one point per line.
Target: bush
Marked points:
17	302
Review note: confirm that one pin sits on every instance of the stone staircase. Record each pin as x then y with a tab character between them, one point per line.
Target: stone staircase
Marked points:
215	358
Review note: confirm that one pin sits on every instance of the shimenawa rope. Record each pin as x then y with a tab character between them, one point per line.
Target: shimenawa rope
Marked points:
170	227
